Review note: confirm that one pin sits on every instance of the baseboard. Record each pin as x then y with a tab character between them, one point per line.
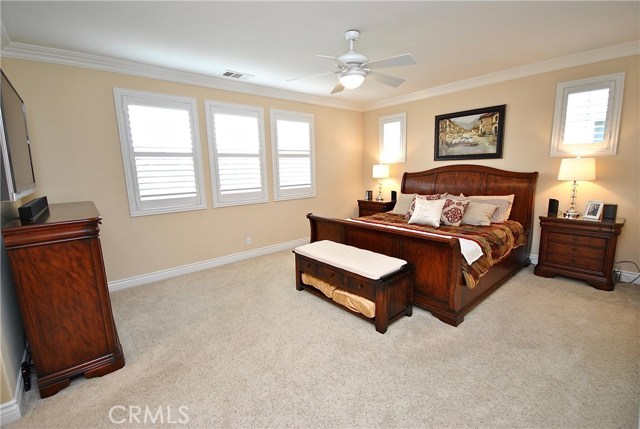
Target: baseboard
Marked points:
13	410
204	265
236	257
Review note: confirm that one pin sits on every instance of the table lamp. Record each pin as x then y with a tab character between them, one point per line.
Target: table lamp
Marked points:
380	171
575	169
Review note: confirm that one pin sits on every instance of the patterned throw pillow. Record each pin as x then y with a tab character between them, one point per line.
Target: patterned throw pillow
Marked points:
412	207
453	211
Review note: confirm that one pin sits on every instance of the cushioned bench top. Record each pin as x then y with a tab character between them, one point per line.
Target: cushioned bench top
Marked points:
363	262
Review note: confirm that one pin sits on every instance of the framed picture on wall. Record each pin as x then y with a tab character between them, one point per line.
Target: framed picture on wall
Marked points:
472	134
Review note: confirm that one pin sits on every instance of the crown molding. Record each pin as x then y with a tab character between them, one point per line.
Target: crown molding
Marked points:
582	58
76	59
30	52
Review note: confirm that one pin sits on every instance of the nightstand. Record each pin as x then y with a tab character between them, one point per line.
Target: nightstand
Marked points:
578	248
369	207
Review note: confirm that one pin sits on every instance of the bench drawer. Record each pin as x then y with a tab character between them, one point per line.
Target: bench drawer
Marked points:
330	276
357	287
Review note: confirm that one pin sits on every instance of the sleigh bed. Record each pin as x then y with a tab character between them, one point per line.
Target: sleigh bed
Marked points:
442	281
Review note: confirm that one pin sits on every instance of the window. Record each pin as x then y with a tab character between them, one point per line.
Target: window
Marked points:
587	116
160	152
236	147
393	142
293	160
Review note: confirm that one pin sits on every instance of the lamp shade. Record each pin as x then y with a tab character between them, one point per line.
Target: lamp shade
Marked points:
577	169
380	171
352	79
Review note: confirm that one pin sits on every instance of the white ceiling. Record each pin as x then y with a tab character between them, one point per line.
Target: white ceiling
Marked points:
275	41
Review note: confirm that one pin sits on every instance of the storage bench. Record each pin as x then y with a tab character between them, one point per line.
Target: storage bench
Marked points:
369	284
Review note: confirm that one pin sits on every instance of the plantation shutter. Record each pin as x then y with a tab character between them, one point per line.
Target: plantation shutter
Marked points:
236	142
292	142
586	116
393	142
160	146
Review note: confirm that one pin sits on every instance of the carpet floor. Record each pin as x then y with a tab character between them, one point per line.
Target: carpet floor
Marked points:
238	347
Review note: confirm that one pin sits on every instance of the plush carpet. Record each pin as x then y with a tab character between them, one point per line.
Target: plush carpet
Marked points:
238	346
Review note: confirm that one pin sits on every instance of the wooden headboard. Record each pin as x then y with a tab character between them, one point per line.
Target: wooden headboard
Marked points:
478	180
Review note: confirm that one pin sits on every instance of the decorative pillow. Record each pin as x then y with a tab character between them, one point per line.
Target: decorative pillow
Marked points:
478	214
403	203
504	203
452	211
427	212
424	197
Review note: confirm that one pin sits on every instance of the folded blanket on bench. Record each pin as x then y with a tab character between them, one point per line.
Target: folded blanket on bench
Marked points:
359	261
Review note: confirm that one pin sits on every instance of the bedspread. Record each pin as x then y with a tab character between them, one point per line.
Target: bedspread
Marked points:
496	241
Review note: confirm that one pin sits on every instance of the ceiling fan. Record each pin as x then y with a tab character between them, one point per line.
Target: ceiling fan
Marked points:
353	67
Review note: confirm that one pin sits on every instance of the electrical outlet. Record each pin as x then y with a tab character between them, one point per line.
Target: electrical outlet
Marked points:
248	241
617	274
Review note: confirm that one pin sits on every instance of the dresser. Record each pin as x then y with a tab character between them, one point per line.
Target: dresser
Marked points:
369	207
578	248
58	272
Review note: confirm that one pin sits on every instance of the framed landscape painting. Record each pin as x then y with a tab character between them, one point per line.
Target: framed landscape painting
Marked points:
472	134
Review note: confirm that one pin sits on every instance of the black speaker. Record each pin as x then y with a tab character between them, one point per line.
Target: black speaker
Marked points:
394	195
33	209
552	211
610	211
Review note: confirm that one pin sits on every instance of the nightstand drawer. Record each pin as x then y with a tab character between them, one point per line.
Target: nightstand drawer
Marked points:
575	251
577	240
571	261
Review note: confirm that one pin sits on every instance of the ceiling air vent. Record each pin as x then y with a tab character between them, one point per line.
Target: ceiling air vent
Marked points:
236	75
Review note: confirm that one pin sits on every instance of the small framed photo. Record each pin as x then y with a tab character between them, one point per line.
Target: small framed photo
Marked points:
593	210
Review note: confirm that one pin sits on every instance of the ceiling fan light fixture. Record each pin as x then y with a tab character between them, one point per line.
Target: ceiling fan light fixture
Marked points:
352	79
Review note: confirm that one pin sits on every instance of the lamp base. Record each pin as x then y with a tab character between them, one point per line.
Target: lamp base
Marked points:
571	214
379	198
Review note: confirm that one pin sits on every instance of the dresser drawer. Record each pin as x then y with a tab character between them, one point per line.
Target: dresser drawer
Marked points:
577	240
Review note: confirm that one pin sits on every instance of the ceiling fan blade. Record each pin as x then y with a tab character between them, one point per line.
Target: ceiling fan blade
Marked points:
311	75
326	56
386	79
337	88
398	60
336	59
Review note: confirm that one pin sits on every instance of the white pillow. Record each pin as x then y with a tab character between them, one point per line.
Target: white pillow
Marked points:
478	214
427	212
403	204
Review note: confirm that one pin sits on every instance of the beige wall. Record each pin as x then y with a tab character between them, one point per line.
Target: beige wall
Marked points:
77	157
76	150
529	116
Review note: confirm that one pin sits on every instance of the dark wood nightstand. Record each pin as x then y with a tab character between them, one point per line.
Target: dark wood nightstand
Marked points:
578	248
369	207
